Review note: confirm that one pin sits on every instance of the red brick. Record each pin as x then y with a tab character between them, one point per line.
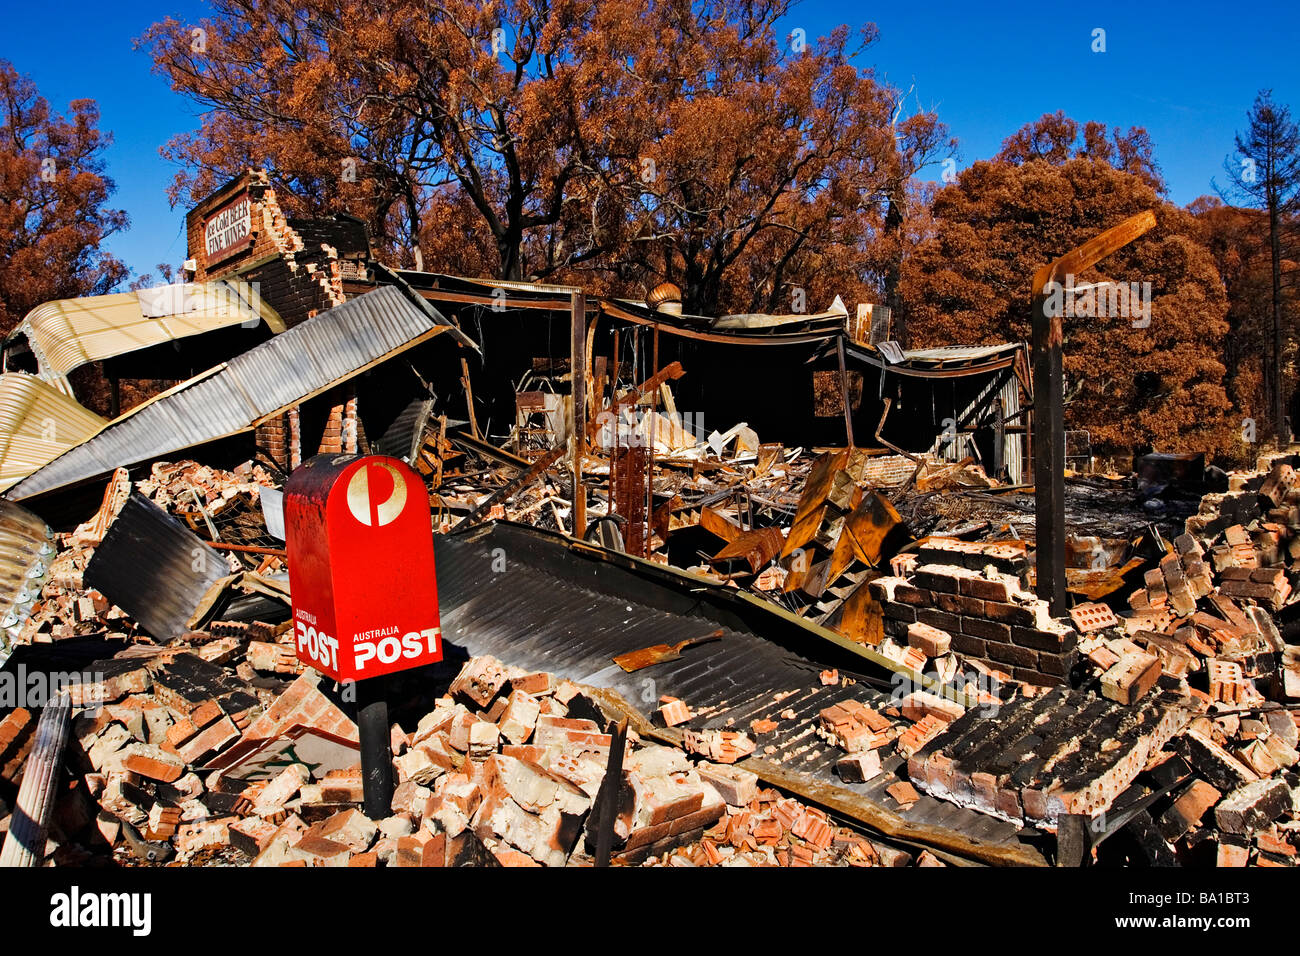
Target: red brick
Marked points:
902	792
152	762
675	712
929	640
205	713
213	738
697	820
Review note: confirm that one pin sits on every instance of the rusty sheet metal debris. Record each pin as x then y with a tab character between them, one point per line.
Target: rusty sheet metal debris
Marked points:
869	534
234	397
813	505
725	527
756	548
553	589
657	654
154	568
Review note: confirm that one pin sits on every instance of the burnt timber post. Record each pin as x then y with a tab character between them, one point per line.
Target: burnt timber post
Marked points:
578	371
606	802
844	390
1049	456
1049	405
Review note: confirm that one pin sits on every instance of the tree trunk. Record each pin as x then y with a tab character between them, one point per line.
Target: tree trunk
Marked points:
894	268
1279	398
510	252
413	226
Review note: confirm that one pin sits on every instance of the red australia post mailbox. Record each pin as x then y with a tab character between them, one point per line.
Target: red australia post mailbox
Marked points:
360	550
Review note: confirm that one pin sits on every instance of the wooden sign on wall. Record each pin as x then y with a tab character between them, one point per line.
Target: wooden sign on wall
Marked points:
228	230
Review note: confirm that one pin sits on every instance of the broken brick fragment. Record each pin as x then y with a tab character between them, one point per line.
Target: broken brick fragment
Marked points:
720	746
675	712
903	793
152	762
1253	806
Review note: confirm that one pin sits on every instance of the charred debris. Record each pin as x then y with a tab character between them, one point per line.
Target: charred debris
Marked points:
738	590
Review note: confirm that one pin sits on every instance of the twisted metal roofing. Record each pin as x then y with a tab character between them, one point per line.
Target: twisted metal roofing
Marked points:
26	549
236	396
535	600
154	568
38	423
67	333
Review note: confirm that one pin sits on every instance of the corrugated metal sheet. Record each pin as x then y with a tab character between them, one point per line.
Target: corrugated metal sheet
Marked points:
739	330
399	440
1013	445
67	333
26	549
504	591
958	353
38	423
319	353
952	360
963	444
154	568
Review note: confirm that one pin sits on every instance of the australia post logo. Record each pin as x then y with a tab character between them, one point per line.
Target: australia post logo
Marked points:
367	508
360	547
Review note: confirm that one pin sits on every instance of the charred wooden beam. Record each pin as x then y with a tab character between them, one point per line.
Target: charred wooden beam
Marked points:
1049	429
844	390
578	314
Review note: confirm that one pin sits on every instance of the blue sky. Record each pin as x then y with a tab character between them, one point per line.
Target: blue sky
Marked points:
1186	71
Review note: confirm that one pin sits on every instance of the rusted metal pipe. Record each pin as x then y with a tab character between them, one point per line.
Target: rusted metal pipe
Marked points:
247	548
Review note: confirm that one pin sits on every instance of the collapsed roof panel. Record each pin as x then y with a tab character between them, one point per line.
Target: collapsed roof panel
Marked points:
233	397
755	327
740	330
944	362
37	424
763	320
26	549
493	292
974	401
633	581
68	333
562	610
